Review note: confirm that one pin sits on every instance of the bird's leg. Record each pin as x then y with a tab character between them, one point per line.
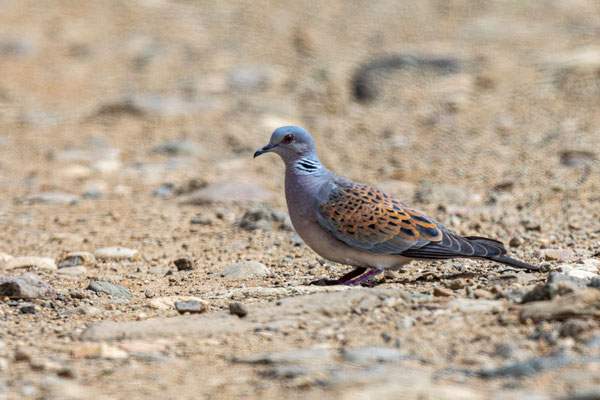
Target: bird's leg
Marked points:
364	279
342	280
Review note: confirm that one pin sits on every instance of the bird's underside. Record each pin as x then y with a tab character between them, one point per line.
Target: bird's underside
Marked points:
373	222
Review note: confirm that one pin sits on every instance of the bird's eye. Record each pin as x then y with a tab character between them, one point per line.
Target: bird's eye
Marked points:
288	139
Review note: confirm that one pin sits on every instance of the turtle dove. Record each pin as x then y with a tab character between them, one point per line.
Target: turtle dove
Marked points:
361	226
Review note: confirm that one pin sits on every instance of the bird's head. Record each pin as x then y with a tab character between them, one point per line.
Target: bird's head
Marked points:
291	143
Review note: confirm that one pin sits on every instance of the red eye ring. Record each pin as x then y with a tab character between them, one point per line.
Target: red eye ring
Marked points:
288	139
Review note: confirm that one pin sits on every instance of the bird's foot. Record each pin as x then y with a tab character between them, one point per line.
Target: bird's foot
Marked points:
364	280
342	280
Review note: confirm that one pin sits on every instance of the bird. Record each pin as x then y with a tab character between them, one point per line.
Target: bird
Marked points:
361	226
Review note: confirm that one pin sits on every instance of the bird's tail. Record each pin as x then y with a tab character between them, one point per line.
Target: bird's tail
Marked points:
497	252
515	263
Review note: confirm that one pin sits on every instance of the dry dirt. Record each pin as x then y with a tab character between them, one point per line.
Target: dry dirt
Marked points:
123	109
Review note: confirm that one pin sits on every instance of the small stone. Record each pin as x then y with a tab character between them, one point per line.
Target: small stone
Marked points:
31	262
149	293
98	350
515	241
405	323
239	309
26	286
441	292
85	310
184	264
27	309
202	220
109	289
583	303
164	190
246	270
455	284
168	302
559	255
263	216
74	259
53	198
540	292
190	306
391	275
117	253
482	294
22	355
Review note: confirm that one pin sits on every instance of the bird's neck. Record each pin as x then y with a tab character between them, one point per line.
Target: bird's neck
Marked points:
307	165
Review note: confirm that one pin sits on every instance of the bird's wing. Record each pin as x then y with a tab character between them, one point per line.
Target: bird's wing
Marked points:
370	220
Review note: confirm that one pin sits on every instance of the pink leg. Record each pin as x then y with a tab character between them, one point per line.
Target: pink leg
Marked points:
340	281
364	279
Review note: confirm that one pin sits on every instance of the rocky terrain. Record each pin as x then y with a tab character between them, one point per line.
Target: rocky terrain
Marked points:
145	254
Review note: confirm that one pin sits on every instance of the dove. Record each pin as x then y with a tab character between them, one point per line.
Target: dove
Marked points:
361	226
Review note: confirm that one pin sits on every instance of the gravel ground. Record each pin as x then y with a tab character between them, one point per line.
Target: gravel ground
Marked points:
145	254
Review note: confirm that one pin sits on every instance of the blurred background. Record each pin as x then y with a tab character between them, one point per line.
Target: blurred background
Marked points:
471	93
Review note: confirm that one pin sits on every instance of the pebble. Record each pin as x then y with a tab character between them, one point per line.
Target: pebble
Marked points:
583	303
559	255
85	310
164	190
27	309
263	216
31	262
184	264
246	270
540	292
26	286
117	253
109	289
190	306
228	192
301	356
168	302
57	198
482	294
239	309
515	242
441	292
149	293
98	350
74	259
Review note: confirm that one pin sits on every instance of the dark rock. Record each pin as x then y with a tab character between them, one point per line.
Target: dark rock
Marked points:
577	158
541	292
286	371
27	309
109	289
239	309
190	306
364	87
184	264
26	286
92	194
594	283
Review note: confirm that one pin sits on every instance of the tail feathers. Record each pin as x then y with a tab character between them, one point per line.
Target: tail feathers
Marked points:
512	262
497	252
485	247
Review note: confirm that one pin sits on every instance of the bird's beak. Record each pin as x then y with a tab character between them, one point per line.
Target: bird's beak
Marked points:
264	150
